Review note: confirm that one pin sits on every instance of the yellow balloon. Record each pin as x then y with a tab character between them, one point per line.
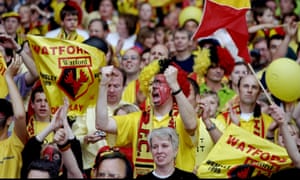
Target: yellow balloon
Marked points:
189	12
283	79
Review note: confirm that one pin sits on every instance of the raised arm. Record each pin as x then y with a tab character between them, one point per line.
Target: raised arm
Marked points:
296	114
289	142
33	147
23	51
186	110
16	99
62	138
211	127
103	121
290	29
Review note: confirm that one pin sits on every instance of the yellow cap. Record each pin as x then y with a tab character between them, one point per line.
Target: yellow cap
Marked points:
10	14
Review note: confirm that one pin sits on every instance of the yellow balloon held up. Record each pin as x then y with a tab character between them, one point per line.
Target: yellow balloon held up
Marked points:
283	79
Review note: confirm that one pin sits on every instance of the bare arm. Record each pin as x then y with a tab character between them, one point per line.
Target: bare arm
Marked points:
62	137
296	114
290	29
290	144
103	121
211	128
32	75
186	110
55	124
16	99
255	28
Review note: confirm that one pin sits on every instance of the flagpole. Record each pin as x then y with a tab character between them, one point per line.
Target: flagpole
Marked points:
262	87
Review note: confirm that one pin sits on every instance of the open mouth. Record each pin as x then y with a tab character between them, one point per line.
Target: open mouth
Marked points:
155	97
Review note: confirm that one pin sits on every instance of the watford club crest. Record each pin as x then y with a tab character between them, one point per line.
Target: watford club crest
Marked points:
241	171
76	76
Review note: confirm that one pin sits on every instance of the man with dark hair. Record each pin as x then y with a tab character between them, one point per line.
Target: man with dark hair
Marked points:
42	168
183	45
40	117
111	163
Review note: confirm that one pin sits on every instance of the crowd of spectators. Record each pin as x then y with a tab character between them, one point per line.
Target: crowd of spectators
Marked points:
164	100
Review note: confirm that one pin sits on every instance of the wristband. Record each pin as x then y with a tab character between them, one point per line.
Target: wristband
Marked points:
21	47
212	127
65	146
176	92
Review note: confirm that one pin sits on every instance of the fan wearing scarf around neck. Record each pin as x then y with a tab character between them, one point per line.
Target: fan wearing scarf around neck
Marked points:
166	85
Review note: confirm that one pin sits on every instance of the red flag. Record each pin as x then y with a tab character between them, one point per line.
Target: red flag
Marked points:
225	20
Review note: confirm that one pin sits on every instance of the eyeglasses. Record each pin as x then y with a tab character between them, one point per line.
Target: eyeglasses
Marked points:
108	175
133	57
106	151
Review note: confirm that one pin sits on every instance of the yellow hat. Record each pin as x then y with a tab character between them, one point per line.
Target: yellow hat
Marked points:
189	13
10	14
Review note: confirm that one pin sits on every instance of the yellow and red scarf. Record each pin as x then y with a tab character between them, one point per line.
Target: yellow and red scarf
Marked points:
259	125
144	161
